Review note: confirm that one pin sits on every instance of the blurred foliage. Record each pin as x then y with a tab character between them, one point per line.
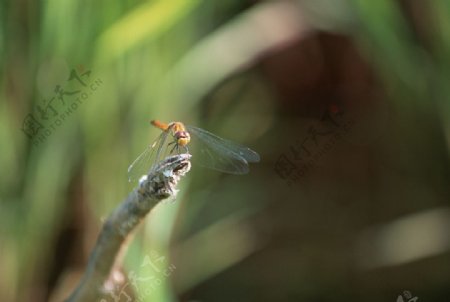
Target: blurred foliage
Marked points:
208	63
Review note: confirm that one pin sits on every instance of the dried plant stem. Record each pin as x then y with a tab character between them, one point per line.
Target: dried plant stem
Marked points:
159	184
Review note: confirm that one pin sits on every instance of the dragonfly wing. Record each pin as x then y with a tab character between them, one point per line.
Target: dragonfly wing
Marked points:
209	158
221	154
147	159
140	164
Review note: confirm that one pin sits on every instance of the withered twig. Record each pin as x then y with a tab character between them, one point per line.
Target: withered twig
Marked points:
159	184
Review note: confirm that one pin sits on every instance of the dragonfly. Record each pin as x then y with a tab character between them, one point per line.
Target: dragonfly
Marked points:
214	152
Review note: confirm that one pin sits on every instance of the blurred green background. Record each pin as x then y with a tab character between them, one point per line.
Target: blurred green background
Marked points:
346	101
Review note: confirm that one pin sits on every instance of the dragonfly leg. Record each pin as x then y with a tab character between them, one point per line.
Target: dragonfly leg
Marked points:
174	147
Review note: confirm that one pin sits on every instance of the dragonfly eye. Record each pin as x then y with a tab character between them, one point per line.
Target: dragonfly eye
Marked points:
182	135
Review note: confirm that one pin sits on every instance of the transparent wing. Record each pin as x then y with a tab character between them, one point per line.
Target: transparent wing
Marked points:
220	154
147	159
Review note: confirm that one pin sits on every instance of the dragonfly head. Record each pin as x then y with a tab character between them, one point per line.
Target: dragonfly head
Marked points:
183	138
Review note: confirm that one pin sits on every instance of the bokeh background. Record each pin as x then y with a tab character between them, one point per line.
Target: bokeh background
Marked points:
346	101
